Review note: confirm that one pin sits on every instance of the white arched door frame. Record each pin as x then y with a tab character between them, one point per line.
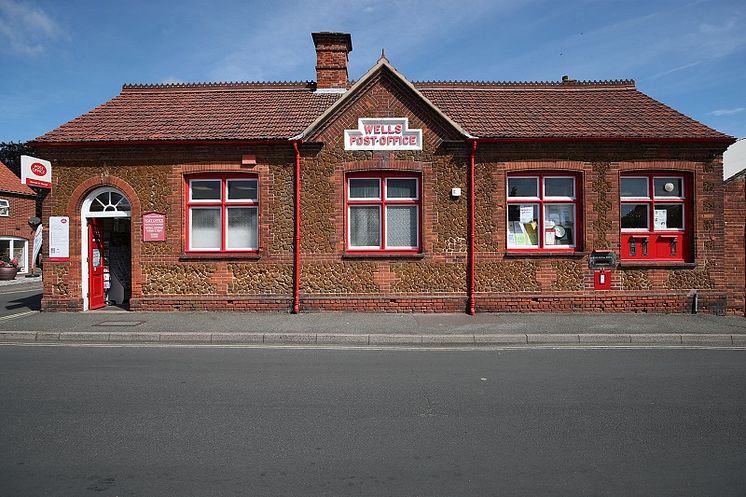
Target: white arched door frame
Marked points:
98	204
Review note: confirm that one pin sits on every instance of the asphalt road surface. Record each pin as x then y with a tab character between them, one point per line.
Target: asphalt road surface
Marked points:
18	299
217	421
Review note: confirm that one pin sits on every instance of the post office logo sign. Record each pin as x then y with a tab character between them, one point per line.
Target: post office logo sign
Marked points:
383	133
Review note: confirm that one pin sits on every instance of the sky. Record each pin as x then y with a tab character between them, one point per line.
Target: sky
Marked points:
60	59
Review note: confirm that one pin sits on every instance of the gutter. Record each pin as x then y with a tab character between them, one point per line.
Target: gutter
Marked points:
296	245
472	194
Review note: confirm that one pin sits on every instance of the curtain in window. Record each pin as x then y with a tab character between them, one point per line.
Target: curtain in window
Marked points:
242	228
401	226
206	228
365	226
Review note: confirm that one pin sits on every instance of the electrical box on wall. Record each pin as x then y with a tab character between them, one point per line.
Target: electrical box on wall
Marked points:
602	279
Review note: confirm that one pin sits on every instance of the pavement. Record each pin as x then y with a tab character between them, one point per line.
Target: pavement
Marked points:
114	325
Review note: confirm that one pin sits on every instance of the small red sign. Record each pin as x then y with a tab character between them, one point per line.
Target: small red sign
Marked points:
38	169
154	227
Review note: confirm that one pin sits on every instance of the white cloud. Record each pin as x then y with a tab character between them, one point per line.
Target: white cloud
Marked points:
25	29
727	112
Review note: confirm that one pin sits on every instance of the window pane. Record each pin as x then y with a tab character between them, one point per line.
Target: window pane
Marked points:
242	189
667	187
242	228
523	187
365	188
634	187
559	225
123	205
559	187
4	208
365	226
205	189
635	216
668	216
523	223
401	188
401	226
5	248
205	232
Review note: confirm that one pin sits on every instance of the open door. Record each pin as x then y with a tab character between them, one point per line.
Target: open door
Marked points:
95	264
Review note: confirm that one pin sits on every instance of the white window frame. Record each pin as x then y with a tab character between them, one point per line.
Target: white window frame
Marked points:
24	262
4	208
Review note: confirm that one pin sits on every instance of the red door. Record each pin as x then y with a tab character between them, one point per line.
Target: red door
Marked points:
95	264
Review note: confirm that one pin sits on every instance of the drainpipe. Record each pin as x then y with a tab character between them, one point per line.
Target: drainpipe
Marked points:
472	195
296	254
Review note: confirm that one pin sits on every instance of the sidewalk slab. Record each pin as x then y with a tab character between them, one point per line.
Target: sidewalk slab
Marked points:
659	339
18	336
73	336
379	339
175	337
603	339
332	339
238	338
290	339
552	339
500	340
447	340
706	340
135	337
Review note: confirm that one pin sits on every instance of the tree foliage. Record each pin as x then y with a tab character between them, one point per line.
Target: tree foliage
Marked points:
10	155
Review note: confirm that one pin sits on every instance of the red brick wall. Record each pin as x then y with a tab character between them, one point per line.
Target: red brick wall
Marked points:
734	261
164	277
22	207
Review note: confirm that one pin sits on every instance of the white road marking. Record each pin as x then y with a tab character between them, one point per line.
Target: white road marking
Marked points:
17	315
36	290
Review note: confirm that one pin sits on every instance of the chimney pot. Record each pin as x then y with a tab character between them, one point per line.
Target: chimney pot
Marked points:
331	59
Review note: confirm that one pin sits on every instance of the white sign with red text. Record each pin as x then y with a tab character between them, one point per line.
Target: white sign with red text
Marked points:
59	238
36	172
384	133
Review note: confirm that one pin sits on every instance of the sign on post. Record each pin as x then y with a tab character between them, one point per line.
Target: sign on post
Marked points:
36	172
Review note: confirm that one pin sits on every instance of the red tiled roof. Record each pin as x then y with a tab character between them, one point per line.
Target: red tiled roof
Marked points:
221	111
267	111
9	182
613	109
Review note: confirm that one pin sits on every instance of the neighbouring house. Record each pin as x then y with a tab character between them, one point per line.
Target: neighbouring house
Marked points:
17	207
385	194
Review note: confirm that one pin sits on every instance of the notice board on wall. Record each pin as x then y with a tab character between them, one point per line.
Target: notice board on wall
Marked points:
59	238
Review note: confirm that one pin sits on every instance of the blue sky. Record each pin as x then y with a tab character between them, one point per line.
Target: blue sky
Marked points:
62	58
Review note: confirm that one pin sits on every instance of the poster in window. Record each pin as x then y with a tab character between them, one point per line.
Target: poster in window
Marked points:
660	220
527	213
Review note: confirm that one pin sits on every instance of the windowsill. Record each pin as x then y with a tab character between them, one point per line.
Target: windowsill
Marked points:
657	264
219	257
382	255
539	254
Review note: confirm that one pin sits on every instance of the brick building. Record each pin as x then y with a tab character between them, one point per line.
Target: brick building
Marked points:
17	206
386	194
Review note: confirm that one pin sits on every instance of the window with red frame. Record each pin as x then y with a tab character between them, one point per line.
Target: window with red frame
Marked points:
653	216
542	212
383	212
222	213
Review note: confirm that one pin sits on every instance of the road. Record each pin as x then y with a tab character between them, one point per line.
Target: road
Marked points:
220	421
19	299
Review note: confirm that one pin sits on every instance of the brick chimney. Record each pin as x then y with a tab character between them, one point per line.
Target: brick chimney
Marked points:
331	59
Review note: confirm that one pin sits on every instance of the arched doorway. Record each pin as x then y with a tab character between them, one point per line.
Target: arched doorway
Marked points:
106	262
